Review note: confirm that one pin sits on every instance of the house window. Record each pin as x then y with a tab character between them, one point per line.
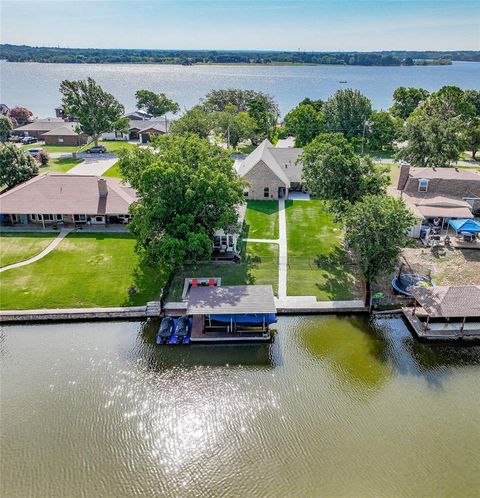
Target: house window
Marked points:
48	217
216	241
266	192
422	185
59	217
245	194
80	217
33	216
60	140
230	241
99	218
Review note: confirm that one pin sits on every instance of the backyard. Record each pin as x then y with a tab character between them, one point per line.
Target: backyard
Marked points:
261	220
259	266
317	261
15	247
85	270
60	165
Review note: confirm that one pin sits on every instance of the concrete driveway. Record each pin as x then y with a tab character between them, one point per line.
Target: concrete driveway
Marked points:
93	164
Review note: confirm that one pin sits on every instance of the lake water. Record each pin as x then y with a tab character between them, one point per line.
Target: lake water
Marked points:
36	85
334	407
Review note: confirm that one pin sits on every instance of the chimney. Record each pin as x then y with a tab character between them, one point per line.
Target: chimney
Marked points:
403	176
102	187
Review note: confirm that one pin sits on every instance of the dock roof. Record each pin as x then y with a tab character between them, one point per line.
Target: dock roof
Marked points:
231	299
449	302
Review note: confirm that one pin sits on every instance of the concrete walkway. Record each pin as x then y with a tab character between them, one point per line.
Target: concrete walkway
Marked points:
93	164
63	233
282	250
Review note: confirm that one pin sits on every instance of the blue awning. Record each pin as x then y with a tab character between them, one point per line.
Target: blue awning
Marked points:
465	225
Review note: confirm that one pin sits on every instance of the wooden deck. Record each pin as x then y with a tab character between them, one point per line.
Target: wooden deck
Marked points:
199	335
441	331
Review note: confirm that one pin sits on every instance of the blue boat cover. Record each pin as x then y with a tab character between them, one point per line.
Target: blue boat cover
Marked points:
465	225
259	318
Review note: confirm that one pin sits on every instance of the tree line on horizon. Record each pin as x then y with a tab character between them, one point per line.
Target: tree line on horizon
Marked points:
25	53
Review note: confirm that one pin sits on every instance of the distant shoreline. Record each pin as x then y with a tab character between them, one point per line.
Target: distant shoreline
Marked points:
24	53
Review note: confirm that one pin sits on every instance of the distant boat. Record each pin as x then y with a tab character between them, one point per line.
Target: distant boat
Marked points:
343	81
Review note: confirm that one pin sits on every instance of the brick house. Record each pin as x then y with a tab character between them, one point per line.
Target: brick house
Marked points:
438	194
271	172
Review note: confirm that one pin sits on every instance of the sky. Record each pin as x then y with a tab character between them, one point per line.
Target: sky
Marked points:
338	25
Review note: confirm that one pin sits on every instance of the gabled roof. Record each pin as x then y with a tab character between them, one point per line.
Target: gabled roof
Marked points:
264	153
444	174
63	131
59	193
142	125
453	302
46	124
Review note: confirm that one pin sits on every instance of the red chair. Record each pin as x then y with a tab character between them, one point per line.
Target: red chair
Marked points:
194	282
212	282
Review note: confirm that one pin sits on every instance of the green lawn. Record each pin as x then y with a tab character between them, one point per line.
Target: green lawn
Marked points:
114	171
53	148
111	145
85	270
60	165
317	263
393	172
16	247
259	266
261	220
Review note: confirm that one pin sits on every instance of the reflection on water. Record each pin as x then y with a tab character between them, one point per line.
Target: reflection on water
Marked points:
333	407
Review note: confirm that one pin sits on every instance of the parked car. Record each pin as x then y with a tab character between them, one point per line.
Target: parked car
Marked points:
97	149
34	152
29	140
15	138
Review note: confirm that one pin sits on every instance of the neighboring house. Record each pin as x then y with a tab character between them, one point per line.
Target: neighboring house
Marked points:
140	129
225	241
65	135
39	127
56	198
138	115
4	109
272	172
436	195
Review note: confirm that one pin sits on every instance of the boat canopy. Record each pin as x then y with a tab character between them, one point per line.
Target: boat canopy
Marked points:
257	318
465	225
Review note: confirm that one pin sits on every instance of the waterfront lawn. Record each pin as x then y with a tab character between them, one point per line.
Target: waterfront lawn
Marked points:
261	220
16	247
259	266
85	270
317	261
113	171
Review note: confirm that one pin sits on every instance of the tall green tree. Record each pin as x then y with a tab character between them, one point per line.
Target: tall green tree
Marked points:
436	130
6	128
234	127
196	120
472	136
383	130
16	166
376	231
347	111
406	100
96	110
155	104
187	188
316	104
334	172
259	105
304	122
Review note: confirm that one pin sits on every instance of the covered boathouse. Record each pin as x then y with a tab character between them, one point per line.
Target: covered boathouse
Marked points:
445	312
233	313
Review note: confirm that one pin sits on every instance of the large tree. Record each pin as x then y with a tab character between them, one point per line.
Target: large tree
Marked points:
96	110
334	172
259	105
234	127
376	232
383	129
196	120
187	188
304	122
16	166
347	111
436	130
406	100
20	115
6	127
472	136
155	104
